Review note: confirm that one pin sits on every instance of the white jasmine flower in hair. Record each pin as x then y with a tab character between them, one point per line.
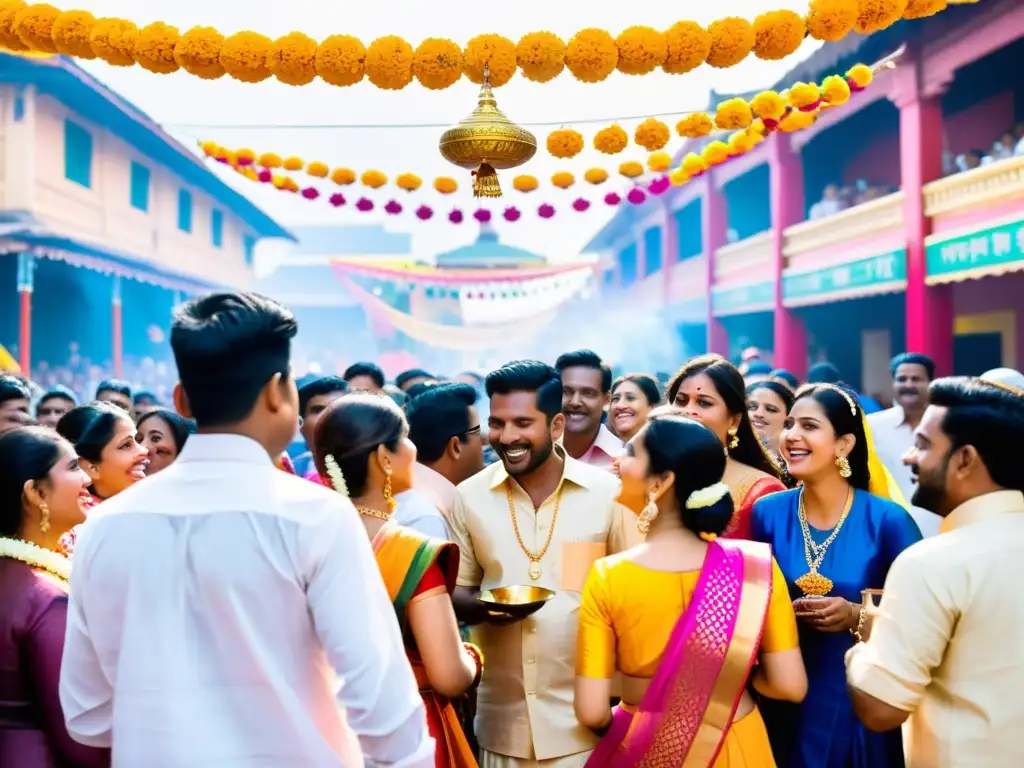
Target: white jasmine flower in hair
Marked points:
706	497
334	473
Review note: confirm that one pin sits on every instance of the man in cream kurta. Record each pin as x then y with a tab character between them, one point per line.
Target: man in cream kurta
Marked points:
525	701
946	648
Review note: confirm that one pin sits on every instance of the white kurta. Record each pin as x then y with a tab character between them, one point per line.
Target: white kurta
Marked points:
212	605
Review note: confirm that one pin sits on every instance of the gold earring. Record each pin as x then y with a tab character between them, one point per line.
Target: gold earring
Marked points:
844	466
734	438
389	498
644	520
44	517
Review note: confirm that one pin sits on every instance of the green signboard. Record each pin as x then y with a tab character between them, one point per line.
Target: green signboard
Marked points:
987	248
755	297
864	277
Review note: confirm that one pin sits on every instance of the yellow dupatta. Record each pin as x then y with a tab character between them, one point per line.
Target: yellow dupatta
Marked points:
882	482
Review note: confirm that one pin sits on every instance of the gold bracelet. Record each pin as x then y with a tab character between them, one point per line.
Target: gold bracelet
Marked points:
478	657
862	616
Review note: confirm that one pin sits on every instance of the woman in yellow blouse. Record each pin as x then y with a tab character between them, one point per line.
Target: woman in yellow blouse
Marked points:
684	618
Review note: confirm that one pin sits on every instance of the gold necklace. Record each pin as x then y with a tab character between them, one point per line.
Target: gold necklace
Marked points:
371	512
535	557
812	582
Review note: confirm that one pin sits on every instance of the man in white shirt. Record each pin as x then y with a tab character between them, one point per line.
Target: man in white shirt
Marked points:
445	428
225	613
586	386
893	429
946	647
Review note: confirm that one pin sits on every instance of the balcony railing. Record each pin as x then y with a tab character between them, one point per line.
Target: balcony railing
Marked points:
863	221
977	187
750	254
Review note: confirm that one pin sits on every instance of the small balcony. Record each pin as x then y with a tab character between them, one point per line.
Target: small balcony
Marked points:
991	185
859	232
746	260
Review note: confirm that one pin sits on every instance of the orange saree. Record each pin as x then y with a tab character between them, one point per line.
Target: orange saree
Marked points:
413	566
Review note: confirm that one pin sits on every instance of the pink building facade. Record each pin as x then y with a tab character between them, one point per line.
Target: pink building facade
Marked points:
934	264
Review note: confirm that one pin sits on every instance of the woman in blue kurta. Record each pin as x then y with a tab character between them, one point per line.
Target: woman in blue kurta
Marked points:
833	537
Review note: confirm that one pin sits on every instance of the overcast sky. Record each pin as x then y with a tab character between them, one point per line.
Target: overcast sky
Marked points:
181	100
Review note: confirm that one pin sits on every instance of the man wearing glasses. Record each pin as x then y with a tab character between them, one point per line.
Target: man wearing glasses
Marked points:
445	428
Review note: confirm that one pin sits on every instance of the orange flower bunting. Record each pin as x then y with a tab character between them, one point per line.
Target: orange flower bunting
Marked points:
631	169
732	39
113	41
341	60
541	56
835	91
270	160
831	20
198	52
244	57
294	163
292	59
875	15
318	169
72	33
652	134
33	24
8	37
804	96
563	179
678	177
154	48
591	55
687	46
861	75
410	182
389	63
565	143
343	176
659	162
693	164
374	179
715	153
733	114
525	183
497	52
445	185
920	9
641	50
611	140
777	34
437	63
596	176
695	126
768	105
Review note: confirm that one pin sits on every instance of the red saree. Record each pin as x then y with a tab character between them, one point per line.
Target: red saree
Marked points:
743	499
691	701
405	557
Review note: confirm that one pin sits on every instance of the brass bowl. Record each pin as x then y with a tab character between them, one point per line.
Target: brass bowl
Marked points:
518	601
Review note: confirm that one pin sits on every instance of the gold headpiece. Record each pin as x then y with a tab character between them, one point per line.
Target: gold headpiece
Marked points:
846	395
1005	387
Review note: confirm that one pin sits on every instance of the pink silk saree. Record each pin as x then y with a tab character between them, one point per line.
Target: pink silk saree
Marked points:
688	707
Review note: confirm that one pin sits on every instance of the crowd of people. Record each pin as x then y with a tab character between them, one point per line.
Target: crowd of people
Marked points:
547	565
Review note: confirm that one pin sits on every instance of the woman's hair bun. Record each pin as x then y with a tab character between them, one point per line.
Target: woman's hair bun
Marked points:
709	510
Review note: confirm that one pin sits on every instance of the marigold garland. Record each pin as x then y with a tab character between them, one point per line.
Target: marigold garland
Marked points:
611	140
563	179
695	125
631	169
294	163
445	185
659	162
373	179
391	63
596	176
316	169
652	134
525	183
733	114
565	143
343	177
410	182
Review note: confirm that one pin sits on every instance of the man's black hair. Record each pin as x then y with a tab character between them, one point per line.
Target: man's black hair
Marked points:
528	376
913	358
988	417
586	358
758	368
823	373
12	388
120	386
418	389
787	376
227	347
365	369
412	373
321	385
438	414
145	398
59	391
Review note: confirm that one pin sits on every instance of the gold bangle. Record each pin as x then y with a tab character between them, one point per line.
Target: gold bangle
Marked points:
478	657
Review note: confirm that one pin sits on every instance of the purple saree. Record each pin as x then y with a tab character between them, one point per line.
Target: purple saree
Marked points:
692	698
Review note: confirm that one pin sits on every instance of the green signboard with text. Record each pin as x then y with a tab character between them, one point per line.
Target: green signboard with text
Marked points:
984	249
756	297
864	277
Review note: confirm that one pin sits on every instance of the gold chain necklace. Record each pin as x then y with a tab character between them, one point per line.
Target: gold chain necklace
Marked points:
534	557
812	582
371	512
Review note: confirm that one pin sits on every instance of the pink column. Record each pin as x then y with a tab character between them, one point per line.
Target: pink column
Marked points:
929	309
787	208
26	284
669	252
714	224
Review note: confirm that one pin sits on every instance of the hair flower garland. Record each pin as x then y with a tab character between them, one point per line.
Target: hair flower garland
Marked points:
703	498
565	143
335	475
36	556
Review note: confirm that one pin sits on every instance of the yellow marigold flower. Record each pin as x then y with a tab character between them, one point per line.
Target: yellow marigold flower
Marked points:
678	177
768	105
716	153
876	15
343	176
374	179
541	56
318	169
695	125
693	164
835	90
389	63
497	52
641	50
8	37
410	182
198	52
591	55
563	179
659	162
154	48
33	24
244	57
777	34
652	134
294	163
341	60
292	59
921	9
113	40
733	114
437	63
861	75
596	176
803	95
831	20
72	32
445	185
525	183
631	169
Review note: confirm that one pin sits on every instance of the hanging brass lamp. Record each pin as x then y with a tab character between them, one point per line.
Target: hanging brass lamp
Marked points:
487	141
